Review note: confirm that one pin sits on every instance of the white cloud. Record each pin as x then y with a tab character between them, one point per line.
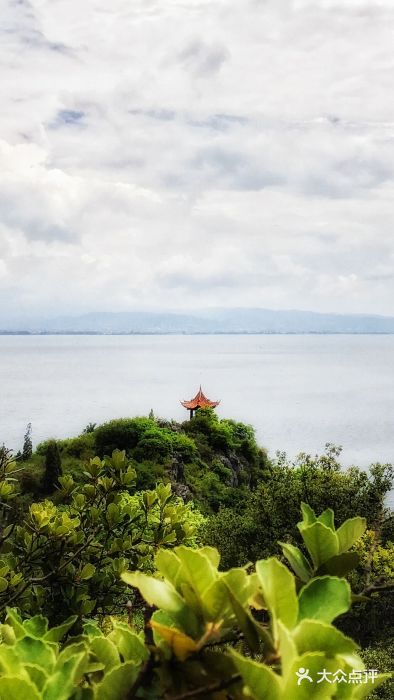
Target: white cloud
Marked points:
172	154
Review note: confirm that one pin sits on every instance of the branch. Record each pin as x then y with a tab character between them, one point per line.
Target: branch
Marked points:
383	588
208	689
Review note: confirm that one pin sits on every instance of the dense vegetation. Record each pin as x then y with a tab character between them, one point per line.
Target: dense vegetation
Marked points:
187	507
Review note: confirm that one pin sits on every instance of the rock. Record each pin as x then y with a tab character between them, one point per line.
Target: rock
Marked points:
176	470
183	491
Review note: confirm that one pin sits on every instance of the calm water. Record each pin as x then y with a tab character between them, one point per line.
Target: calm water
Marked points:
298	391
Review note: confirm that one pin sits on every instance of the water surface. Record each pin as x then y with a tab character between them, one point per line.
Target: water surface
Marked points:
298	391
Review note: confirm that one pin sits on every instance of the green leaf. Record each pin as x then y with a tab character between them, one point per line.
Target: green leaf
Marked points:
117	682
279	591
15	621
287	648
312	635
242	586
55	634
87	572
14	688
113	514
7	634
35	651
128	644
308	514
91	629
212	554
349	532
168	564
159	593
10	664
197	569
324	598
37	675
106	652
215	602
3	584
321	542
261	682
36	627
327	518
313	663
340	565
297	561
60	685
71	651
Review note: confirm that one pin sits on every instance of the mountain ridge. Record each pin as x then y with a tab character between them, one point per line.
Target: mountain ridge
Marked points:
207	321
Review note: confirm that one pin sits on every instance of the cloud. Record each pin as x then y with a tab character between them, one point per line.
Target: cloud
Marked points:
202	58
171	155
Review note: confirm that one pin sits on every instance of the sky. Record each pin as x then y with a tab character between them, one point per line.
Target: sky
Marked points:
178	154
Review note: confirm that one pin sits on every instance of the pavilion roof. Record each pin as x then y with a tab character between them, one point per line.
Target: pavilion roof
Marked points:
200	401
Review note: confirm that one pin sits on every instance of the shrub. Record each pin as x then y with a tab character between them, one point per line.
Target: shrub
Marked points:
52	467
81	447
155	443
381	657
148	474
270	512
68	557
121	434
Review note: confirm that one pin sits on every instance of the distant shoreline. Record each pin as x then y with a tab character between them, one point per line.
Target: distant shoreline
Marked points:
189	333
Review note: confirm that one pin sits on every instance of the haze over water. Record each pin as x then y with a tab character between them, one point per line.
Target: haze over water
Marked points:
299	392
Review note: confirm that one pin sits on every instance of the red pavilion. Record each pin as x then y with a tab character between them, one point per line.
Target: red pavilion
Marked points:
199	401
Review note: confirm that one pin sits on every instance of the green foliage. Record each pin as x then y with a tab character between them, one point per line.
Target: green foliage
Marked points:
8	468
372	621
223	435
249	530
328	547
121	434
235	633
154	447
68	557
82	447
35	664
200	609
89	428
52	467
218	635
381	656
213	459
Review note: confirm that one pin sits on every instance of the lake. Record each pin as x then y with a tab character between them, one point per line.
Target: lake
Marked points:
299	391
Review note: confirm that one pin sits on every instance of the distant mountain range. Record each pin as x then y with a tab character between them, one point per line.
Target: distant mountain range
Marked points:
207	321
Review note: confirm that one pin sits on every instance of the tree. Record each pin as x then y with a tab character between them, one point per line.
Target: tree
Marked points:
27	450
89	428
52	466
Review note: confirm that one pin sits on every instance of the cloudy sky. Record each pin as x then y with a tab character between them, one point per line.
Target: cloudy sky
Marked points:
164	154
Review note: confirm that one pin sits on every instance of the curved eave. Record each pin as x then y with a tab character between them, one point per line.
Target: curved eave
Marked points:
203	404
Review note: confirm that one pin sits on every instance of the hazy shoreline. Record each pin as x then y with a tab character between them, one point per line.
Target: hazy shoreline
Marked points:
188	333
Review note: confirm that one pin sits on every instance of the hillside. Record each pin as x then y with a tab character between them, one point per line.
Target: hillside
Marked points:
241	320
